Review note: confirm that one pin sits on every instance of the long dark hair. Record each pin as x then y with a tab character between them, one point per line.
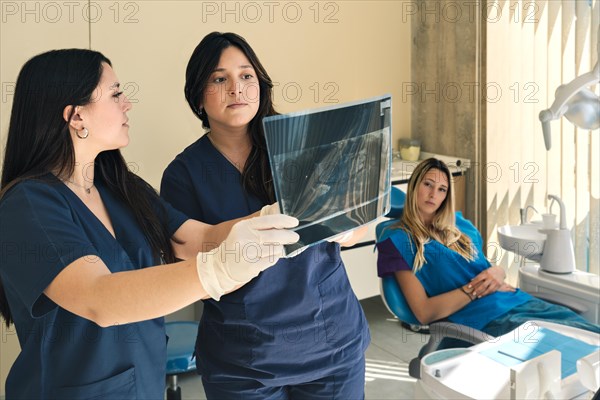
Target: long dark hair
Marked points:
39	141
443	228
256	176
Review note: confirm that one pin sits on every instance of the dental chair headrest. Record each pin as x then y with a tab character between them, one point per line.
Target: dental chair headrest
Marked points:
398	197
397	207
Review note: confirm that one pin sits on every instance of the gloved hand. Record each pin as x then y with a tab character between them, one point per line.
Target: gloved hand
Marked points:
271	209
252	246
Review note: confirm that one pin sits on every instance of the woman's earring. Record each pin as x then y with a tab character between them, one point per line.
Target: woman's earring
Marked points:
86	133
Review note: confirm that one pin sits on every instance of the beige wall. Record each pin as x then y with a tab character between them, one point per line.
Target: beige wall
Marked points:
318	53
357	49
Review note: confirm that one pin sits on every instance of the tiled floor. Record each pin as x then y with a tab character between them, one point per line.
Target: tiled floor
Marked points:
392	347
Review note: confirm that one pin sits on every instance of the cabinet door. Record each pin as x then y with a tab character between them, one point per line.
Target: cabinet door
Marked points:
362	271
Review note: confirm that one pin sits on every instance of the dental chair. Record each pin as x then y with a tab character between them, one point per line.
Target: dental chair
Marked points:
396	303
449	373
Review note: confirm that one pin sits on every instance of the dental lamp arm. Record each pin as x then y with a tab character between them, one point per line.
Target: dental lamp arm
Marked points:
562	96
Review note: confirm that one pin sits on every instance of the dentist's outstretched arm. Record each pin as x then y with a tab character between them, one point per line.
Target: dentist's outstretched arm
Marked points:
252	246
86	287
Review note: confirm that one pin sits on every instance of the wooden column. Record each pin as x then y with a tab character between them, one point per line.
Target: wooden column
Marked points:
446	88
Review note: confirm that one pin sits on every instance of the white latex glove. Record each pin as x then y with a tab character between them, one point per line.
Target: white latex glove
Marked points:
271	209
252	246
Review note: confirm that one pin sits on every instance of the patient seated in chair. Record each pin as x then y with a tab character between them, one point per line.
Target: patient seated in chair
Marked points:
437	259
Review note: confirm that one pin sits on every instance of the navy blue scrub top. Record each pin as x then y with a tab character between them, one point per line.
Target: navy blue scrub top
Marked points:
44	228
297	321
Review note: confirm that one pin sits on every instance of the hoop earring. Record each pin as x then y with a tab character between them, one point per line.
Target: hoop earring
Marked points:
86	133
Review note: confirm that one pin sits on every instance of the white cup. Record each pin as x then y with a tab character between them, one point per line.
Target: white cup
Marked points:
549	221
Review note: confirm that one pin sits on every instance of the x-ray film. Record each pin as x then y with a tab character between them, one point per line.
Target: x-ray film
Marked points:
331	167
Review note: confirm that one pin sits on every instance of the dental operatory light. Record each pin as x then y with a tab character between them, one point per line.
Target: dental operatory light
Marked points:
578	104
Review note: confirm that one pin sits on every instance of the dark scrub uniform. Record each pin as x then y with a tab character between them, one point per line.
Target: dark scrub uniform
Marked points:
45	227
297	330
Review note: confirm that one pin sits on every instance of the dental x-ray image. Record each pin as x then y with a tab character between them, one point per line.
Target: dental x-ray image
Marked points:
331	167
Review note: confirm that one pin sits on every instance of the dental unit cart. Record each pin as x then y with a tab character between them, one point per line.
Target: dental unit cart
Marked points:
580	287
538	360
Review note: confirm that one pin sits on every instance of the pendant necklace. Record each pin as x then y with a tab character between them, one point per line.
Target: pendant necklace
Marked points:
87	189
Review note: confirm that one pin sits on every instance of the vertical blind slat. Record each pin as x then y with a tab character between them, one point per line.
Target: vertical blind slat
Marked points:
557	47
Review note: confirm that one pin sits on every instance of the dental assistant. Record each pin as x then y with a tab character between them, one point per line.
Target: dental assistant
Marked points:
297	331
78	231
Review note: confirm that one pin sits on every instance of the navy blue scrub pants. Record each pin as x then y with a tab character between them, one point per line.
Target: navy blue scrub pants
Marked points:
348	384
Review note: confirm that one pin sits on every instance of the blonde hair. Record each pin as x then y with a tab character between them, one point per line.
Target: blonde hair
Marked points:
443	227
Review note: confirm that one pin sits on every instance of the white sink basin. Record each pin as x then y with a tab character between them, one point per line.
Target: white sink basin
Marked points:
524	240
